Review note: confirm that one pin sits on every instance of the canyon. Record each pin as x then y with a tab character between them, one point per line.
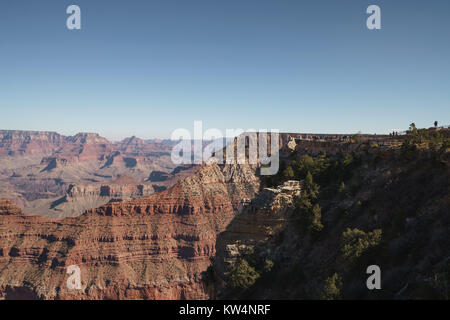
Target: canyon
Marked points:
58	176
188	232
155	247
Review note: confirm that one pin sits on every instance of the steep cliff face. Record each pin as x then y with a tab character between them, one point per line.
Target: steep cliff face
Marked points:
81	197
123	188
9	208
157	247
139	147
258	222
17	143
84	147
204	191
242	182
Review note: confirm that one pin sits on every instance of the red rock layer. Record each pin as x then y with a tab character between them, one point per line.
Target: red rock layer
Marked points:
9	208
156	247
14	142
62	150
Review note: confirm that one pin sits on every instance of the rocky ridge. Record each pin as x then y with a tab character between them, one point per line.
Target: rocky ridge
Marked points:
37	169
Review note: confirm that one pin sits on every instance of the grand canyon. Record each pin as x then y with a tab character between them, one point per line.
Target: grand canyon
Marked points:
140	227
237	158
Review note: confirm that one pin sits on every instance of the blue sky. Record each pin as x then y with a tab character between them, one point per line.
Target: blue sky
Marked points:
146	68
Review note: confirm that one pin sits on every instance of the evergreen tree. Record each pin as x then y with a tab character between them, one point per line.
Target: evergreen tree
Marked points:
332	288
243	276
315	224
288	173
310	189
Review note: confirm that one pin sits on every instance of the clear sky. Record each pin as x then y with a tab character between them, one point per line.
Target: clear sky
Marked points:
148	67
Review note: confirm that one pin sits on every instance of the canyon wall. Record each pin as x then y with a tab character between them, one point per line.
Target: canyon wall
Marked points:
38	169
156	247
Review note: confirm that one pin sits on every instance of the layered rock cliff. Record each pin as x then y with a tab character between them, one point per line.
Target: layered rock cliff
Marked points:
9	208
16	142
156	247
257	222
37	169
81	197
59	149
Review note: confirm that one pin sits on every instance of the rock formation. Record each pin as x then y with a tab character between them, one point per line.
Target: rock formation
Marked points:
9	208
259	220
161	246
156	247
37	169
16	143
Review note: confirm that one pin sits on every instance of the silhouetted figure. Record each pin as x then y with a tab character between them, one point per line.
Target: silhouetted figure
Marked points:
435	124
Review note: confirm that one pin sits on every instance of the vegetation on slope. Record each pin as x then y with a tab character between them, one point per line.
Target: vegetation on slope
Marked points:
382	206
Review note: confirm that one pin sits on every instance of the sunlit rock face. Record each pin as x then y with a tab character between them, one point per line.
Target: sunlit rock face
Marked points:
155	247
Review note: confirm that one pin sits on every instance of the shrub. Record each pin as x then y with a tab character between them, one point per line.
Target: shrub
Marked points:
355	242
348	160
304	165
435	140
316	166
243	276
332	288
268	265
341	188
315	223
446	144
311	213
310	189
288	173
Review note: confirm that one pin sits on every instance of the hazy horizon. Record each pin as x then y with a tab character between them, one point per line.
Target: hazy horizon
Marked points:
169	138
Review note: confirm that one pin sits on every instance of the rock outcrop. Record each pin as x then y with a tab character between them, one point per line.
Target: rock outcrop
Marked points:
83	196
124	188
259	220
9	208
17	143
